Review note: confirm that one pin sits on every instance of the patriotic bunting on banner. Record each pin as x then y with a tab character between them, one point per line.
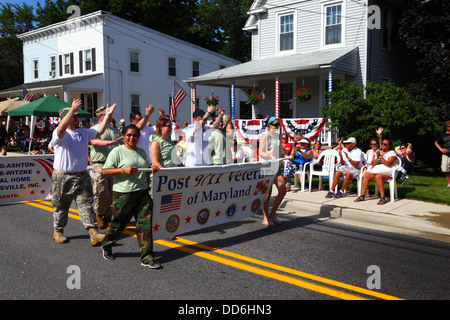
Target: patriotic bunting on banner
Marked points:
253	129
177	96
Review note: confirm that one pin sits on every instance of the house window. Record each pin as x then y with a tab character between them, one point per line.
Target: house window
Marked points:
52	66
287	32
135	103
195	68
134	61
67	64
35	64
333	28
286	99
172	67
88	59
387	26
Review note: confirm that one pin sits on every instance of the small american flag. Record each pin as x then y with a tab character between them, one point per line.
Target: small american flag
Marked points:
170	202
291	105
177	96
27	95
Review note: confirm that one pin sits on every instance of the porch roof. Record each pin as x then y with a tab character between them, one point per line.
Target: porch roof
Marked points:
244	75
61	83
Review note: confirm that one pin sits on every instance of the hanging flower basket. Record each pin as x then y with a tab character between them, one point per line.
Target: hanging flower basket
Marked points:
254	99
212	101
303	95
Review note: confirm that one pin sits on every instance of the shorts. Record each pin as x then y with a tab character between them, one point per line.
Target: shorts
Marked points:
352	170
445	164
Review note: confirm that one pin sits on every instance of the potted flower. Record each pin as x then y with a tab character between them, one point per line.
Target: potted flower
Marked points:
212	101
303	95
254	99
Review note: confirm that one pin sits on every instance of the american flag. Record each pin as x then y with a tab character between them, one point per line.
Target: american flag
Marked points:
27	95
291	104
170	202
177	96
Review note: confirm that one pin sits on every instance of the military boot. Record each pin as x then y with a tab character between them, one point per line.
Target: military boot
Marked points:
102	223
96	237
58	236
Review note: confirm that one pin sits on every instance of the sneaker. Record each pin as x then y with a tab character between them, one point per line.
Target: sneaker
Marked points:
338	194
330	194
152	264
107	254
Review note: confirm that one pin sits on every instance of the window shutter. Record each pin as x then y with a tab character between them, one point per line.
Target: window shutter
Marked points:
60	65
94	68
72	69
81	61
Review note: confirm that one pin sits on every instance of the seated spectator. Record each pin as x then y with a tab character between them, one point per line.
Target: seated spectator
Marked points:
374	148
350	168
301	154
339	146
380	170
317	149
286	147
406	154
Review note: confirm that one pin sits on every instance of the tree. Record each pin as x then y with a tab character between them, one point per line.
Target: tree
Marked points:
424	30
359	111
14	19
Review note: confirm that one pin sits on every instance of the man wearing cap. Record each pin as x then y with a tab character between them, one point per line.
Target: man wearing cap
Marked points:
70	180
197	137
351	161
99	150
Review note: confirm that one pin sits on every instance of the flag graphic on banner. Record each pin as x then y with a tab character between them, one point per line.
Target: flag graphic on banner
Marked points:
170	202
177	96
27	95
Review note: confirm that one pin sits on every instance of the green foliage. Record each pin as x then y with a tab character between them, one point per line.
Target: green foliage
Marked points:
359	111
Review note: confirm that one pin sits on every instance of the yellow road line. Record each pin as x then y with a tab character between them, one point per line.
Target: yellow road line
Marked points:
266	273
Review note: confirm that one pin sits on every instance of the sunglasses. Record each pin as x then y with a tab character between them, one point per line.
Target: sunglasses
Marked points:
275	124
385	144
166	125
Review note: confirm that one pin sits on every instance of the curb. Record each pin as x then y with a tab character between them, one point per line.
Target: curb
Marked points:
387	222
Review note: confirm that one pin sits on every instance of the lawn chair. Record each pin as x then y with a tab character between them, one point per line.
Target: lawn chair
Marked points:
302	173
248	151
330	159
392	182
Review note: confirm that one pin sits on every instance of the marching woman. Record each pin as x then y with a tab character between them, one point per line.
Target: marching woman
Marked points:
131	196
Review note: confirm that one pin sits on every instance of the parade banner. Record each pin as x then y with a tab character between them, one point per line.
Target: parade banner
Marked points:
192	198
251	130
25	178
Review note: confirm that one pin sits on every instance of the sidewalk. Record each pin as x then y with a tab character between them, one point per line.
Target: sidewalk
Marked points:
404	216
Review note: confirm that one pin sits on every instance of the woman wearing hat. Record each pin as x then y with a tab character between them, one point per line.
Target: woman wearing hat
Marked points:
300	154
270	149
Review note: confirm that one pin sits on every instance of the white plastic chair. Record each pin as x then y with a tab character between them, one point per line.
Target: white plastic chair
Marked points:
330	159
248	151
302	172
392	182
359	179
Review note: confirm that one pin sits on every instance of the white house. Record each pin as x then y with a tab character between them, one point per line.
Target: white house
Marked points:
102	59
313	44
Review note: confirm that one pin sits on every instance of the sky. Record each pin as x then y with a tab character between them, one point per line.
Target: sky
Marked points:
19	2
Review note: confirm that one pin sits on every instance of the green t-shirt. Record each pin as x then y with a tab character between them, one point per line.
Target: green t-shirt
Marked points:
166	149
122	157
217	145
99	154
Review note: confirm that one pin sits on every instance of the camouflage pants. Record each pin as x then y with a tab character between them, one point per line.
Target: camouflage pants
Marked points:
65	189
103	194
139	205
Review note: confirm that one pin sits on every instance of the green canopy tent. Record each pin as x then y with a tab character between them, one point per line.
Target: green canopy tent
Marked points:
48	106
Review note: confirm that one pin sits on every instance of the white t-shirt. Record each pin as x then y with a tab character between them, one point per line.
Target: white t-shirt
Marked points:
356	155
71	151
144	139
197	146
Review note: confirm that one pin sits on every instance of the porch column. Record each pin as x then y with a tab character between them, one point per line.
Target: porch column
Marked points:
67	95
193	97
277	97
330	88
232	100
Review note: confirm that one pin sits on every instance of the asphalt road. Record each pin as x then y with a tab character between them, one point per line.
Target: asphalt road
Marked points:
303	259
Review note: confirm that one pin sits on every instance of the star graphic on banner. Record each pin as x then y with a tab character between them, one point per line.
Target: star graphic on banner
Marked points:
42	191
44	180
244	207
218	213
188	220
32	192
38	171
156	227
